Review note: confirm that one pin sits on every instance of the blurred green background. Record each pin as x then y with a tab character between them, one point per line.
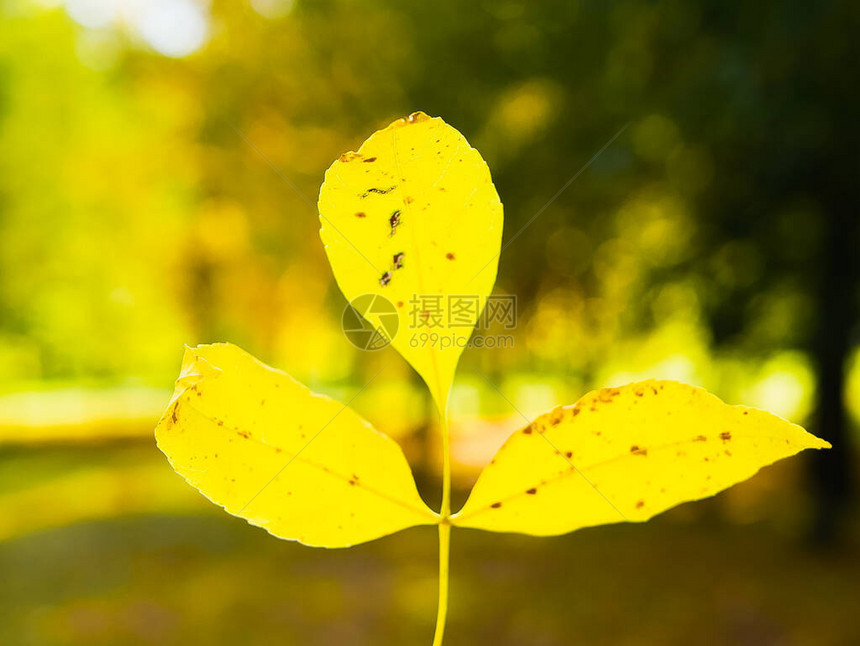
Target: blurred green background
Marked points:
143	151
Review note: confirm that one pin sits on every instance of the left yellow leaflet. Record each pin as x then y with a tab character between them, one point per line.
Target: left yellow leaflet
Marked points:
300	465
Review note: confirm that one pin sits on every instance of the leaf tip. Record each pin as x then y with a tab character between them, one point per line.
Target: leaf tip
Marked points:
818	443
415	117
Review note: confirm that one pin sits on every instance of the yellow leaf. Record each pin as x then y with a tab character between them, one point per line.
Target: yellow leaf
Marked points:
413	216
625	453
300	465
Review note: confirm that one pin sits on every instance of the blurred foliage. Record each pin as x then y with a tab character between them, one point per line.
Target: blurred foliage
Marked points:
135	218
139	211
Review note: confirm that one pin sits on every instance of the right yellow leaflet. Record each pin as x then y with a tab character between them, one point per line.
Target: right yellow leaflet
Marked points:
625	454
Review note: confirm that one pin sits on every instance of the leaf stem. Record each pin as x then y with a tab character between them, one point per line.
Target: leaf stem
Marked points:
444	531
445	511
444	554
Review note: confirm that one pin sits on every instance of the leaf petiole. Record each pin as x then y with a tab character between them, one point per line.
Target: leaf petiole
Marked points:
444	530
444	554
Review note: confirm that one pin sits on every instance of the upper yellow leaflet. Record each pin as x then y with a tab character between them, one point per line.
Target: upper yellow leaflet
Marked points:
300	465
625	453
413	216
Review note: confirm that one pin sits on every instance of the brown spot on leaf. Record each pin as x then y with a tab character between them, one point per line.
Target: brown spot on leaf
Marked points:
527	430
370	159
398	260
531	491
361	214
725	435
450	256
378	191
496	505
385	278
399	303
245	434
637	451
173	415
394	222
640	504
569	454
606	396
700	438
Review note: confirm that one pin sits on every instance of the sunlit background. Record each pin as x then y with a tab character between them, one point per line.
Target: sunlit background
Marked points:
159	167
